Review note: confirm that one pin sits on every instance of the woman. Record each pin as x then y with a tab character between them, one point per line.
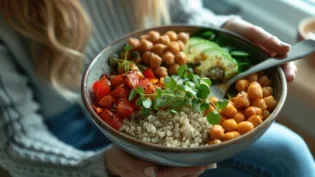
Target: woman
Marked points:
44	44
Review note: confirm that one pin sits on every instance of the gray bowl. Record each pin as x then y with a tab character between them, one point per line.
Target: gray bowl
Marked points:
172	156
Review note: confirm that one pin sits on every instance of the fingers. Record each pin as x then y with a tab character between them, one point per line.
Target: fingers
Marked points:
289	70
183	171
271	43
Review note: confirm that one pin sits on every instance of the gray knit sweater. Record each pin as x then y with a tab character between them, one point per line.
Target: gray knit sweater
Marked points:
27	148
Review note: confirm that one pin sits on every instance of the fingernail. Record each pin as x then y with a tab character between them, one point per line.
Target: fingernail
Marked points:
212	166
284	44
149	172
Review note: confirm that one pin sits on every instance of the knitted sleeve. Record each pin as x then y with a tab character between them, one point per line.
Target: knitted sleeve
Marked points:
193	12
27	148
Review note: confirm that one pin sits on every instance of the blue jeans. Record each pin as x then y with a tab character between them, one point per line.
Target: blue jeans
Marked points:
278	153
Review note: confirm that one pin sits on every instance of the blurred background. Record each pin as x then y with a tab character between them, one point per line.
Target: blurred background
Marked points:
282	18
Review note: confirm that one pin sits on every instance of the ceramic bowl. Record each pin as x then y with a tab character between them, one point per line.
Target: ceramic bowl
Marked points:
175	156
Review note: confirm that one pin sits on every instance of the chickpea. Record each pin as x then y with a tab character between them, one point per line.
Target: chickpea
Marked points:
134	42
172	35
230	135
168	58
161	71
255	120
145	45
241	101
214	99
267	91
261	73
173	69
155	61
159	49
216	132
229	110
144	36
215	141
183	37
229	125
264	81
239	117
146	57
222	119
180	58
245	127
254	91
211	108
181	45
265	114
241	85
250	111
271	102
260	103
253	78
173	47
154	36
164	39
242	93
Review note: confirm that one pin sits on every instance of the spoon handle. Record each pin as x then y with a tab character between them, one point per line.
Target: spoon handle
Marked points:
298	51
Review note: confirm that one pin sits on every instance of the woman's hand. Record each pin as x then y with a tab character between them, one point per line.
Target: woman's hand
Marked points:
121	164
265	40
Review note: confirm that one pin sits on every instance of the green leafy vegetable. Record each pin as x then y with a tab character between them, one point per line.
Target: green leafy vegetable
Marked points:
214	117
147	103
203	91
132	94
204	107
221	104
239	53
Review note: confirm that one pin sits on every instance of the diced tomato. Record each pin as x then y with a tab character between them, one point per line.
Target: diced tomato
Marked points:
117	80
100	90
106	101
147	86
148	73
98	110
124	108
121	91
111	119
134	105
105	80
132	79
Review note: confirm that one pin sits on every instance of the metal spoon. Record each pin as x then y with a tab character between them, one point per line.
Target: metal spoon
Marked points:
298	51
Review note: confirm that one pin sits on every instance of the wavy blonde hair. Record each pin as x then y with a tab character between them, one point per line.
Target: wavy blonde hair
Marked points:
60	30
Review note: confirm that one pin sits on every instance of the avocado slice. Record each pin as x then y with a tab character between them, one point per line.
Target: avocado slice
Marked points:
194	51
216	61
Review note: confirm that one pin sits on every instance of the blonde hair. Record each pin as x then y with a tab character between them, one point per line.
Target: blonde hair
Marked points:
60	30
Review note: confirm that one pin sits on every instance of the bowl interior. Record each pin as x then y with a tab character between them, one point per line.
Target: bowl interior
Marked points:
99	66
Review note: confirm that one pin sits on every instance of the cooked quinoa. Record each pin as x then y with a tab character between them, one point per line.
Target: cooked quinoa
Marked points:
183	129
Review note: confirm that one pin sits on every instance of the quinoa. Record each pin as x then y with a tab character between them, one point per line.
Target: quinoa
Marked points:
182	129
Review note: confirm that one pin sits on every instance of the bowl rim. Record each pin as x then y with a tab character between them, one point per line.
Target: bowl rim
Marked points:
161	148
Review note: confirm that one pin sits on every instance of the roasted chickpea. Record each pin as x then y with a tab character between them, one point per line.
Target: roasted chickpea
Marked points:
255	120
230	135
229	125
161	71
154	36
181	45
267	91
214	99
183	37
180	58
146	57
250	111
239	117
265	114
222	119
215	141
145	45
164	39
134	43
271	102
172	35
211	108
216	132
173	69
260	103
229	110
155	61
241	85
254	91
245	127
241	101
159	49
253	78
144	36
168	58
173	47
264	81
